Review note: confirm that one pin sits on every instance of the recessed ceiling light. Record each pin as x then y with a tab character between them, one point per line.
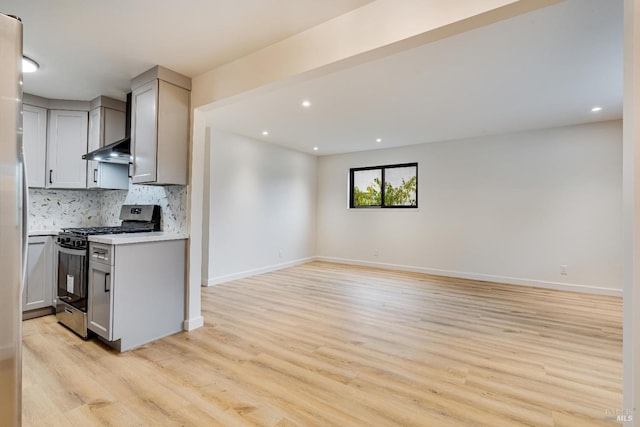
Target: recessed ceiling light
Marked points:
265	132
315	148
379	140
29	65
596	109
306	103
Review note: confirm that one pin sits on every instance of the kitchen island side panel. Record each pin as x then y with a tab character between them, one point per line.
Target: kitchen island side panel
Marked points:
148	291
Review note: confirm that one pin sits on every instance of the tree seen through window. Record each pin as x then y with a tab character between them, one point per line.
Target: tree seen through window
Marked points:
384	186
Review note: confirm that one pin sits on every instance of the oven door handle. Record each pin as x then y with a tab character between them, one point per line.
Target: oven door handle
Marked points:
107	288
69	251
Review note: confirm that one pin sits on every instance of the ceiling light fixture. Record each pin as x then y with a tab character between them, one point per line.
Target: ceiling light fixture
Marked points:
265	132
315	148
379	140
306	103
596	109
29	65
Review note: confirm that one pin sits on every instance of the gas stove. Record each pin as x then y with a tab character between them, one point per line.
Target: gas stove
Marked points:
135	219
118	229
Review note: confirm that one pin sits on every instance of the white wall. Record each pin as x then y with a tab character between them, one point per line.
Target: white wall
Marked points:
509	208
262	208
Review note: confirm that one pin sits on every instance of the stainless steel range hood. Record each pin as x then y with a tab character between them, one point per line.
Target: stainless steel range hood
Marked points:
116	152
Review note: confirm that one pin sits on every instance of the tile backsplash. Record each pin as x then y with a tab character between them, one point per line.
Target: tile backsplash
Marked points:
55	209
172	200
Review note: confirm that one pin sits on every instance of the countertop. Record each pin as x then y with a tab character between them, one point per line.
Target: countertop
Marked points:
43	233
130	238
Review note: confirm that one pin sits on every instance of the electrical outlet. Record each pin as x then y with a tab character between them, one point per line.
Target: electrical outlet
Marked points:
563	269
376	253
280	253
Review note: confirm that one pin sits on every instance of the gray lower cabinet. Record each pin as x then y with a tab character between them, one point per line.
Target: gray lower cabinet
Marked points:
100	301
39	292
136	291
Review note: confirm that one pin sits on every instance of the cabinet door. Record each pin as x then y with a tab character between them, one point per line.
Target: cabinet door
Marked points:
67	142
100	300
34	137
106	125
94	142
38	287
173	134
144	132
114	125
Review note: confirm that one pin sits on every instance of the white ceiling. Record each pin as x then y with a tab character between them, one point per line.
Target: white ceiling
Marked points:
543	69
88	48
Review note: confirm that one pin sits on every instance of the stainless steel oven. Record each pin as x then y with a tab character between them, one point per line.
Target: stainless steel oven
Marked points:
71	308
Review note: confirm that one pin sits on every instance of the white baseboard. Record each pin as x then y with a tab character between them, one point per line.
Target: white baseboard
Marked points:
248	273
191	324
480	276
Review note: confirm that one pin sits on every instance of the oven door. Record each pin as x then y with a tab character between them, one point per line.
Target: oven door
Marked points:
72	277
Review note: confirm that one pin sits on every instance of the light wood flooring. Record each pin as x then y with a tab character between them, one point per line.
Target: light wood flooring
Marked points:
331	345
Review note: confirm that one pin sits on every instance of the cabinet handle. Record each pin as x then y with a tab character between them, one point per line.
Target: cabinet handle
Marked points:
95	177
50	173
106	282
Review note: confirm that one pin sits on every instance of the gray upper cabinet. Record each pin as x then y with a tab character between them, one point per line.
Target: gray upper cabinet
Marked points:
160	127
55	138
34	137
67	142
107	120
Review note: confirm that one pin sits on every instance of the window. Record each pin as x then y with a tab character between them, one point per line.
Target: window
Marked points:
391	186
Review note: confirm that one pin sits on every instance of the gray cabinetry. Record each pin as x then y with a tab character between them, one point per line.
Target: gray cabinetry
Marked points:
100	299
160	127
55	138
34	137
66	143
136	291
38	292
107	119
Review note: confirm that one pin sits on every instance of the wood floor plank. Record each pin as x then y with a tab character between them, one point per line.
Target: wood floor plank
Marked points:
334	345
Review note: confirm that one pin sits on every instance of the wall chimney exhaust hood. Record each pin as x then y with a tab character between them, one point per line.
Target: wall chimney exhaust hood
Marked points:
116	152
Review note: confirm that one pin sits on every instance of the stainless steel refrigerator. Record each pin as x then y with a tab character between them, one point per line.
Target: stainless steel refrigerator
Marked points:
12	220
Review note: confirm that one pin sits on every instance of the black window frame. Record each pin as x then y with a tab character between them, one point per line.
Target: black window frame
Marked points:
382	168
